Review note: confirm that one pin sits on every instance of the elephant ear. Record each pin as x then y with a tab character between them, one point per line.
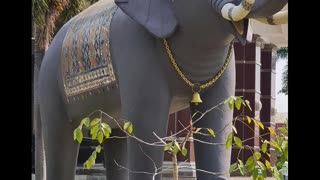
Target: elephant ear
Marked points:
155	15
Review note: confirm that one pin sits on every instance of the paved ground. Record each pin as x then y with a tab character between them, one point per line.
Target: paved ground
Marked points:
83	177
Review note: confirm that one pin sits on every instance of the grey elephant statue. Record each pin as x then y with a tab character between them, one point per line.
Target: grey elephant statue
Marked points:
140	60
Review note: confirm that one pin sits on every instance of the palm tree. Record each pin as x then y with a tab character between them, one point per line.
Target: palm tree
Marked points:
283	53
48	16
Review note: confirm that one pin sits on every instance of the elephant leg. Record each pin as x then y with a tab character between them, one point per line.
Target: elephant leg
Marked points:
215	158
144	92
115	150
61	151
148	111
148	117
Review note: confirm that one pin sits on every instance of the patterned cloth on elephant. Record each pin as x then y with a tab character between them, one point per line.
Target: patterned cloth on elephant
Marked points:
86	61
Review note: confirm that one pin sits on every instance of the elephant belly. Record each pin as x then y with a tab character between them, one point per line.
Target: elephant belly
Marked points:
107	102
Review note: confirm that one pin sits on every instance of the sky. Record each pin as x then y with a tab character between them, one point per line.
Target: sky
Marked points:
281	99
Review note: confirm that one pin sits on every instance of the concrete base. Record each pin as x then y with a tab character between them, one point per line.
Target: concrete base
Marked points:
188	173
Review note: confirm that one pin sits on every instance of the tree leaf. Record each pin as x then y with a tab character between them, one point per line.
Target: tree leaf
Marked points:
263	173
167	146
238	141
92	161
211	132
94	131
250	161
261	125
184	151
194	114
227	100
229	141
264	147
233	167
271	130
77	134
231	104
255	174
238	103
177	144
106	133
258	123
98	149
234	129
175	149
260	178
95	121
250	167
241	167
100	137
86	122
126	125
130	128
197	130
267	164
257	155
268	155
87	164
106	127
94	155
262	166
248	104
249	119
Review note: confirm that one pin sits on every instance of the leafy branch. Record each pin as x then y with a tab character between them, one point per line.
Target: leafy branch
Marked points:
256	165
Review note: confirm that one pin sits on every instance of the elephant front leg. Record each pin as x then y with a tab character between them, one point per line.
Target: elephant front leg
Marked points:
215	158
148	111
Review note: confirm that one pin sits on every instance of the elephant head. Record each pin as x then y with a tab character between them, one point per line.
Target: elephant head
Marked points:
158	17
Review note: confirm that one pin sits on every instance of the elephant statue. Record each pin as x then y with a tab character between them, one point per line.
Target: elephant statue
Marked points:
141	60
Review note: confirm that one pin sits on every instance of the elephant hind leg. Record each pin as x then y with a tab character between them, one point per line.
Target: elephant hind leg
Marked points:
61	150
115	150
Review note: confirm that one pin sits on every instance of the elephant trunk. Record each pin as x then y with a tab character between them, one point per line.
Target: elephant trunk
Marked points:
233	12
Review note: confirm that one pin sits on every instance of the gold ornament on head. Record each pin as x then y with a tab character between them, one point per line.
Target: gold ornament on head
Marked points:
197	87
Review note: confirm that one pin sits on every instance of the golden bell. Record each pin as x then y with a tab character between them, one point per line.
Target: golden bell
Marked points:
196	98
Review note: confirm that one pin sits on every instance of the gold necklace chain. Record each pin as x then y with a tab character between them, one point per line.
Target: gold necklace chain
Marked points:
192	85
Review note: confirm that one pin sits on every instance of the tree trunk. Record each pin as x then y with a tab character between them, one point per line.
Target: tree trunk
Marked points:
175	167
39	148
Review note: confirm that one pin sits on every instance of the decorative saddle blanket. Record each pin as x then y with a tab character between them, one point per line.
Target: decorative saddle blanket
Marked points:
86	60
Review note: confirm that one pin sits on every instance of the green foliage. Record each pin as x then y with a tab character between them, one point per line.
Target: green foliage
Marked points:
264	146
99	131
77	135
168	146
283	53
256	165
233	167
234	129
211	132
184	151
284	79
229	141
237	141
197	130
128	127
